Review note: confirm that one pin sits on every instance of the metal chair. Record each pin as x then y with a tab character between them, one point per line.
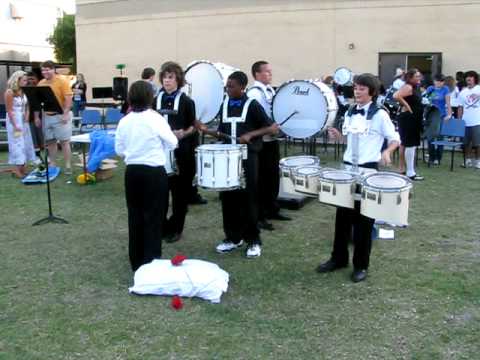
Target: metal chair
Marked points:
112	116
452	128
91	120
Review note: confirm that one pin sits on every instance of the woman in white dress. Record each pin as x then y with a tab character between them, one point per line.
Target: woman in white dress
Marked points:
20	145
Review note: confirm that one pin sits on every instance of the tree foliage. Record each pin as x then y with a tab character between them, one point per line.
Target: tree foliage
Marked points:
63	39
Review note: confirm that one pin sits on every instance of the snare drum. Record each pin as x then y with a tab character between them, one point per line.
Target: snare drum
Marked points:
170	162
306	179
219	166
386	196
288	164
337	187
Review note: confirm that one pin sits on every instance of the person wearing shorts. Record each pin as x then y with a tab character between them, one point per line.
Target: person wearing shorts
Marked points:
469	111
57	126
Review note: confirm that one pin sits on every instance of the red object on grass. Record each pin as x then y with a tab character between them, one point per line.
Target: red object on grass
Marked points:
177	303
178	259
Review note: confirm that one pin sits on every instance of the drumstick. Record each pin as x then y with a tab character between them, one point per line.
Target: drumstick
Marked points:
288	118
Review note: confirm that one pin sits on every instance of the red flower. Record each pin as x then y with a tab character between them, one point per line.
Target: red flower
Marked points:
177	303
178	259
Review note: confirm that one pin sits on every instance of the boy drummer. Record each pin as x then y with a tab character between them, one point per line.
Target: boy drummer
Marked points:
239	207
349	223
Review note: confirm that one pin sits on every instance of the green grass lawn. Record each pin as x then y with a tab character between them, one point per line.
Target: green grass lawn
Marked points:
64	288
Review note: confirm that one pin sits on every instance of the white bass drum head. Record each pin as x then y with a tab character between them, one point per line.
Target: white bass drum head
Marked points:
205	84
314	103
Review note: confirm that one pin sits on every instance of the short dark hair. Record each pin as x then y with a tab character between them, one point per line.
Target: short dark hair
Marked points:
257	67
472	73
370	81
147	73
140	96
240	77
48	64
32	74
173	67
439	77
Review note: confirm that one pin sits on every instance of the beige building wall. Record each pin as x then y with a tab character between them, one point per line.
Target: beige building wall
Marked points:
302	39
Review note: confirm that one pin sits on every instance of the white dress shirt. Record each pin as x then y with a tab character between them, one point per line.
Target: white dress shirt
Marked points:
370	140
264	95
142	138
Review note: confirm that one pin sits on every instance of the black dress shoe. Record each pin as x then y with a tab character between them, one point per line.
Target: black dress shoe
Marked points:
359	275
329	266
279	217
173	238
198	200
264	225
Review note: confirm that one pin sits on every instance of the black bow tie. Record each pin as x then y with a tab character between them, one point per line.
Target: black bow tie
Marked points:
358	111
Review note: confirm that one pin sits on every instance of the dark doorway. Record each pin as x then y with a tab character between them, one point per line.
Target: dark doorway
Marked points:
429	65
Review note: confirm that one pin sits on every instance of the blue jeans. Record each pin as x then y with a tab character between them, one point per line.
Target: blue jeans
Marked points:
435	152
78	105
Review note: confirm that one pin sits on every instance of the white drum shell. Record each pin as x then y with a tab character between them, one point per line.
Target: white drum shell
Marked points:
390	205
287	165
307	182
219	166
314	102
337	192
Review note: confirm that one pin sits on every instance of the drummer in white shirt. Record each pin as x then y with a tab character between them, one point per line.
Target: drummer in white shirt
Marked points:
269	155
349	223
142	138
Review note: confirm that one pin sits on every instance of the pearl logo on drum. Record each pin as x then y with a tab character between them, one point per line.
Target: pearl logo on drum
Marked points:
298	91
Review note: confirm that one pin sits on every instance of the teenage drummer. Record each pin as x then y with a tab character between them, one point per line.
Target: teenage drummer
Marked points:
269	156
350	225
179	109
239	207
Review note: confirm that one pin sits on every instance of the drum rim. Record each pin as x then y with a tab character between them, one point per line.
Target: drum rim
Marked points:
408	183
338	181
223	148
282	164
318	167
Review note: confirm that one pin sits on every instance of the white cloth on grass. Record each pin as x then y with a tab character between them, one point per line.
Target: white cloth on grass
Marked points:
192	278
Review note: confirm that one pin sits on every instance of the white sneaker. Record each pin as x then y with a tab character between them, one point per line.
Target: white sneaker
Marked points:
254	250
228	246
468	163
37	161
436	163
477	164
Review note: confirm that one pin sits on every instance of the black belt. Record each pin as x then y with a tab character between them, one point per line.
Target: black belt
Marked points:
368	165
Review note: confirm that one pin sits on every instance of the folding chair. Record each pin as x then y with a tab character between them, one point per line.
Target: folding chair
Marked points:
113	116
452	128
91	120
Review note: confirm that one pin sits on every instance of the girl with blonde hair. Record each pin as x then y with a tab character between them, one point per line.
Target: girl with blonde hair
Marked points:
20	145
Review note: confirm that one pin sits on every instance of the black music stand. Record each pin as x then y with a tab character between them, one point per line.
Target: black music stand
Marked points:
43	99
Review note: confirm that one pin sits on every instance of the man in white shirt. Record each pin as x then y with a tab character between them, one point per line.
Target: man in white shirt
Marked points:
269	156
469	111
373	125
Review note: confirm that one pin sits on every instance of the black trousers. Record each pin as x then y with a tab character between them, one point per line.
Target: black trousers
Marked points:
269	179
145	191
351	225
240	207
180	186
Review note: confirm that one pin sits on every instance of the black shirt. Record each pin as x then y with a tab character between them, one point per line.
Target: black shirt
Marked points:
256	118
186	113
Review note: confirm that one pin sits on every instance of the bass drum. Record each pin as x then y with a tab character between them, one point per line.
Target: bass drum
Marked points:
205	84
343	76
309	105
